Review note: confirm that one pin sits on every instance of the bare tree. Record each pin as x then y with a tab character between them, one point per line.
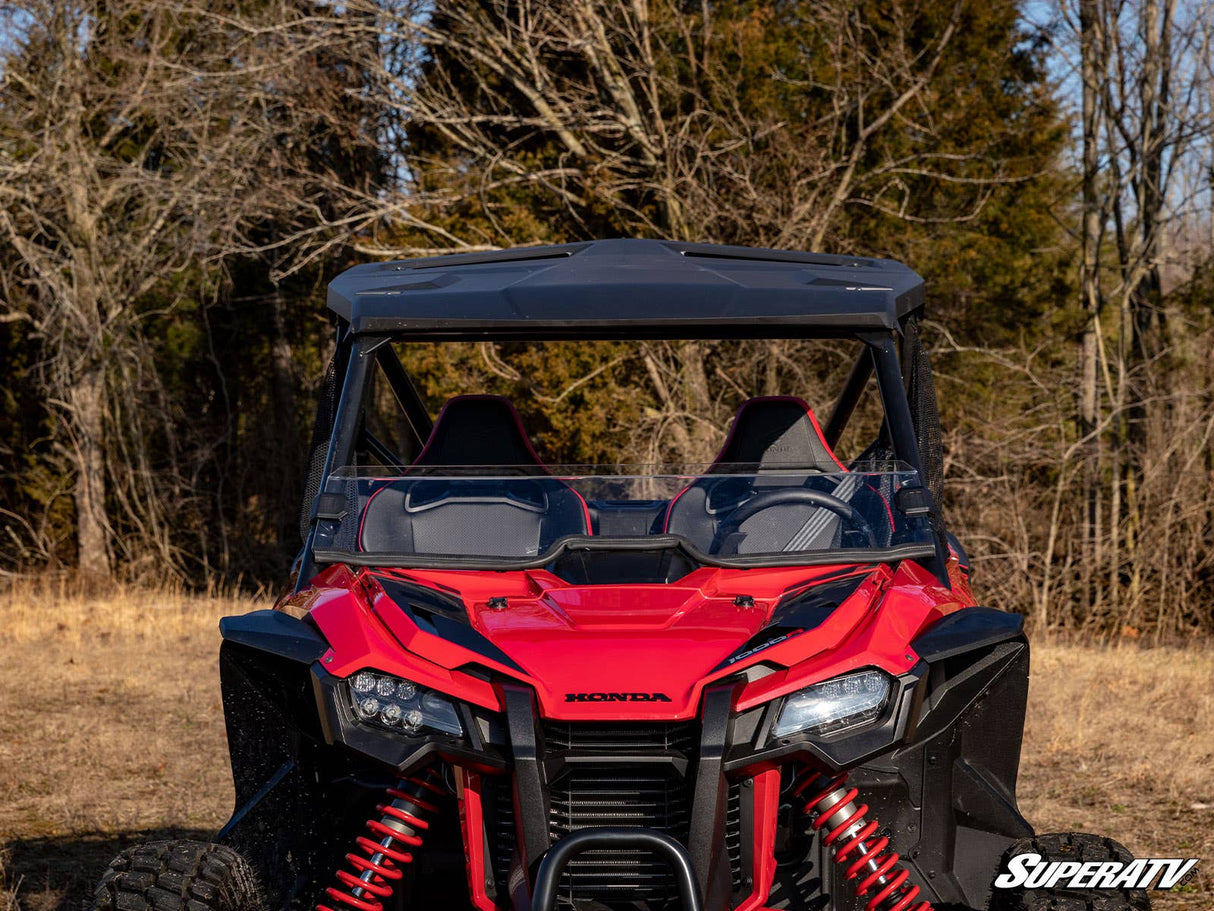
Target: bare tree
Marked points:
640	107
653	118
1143	79
141	139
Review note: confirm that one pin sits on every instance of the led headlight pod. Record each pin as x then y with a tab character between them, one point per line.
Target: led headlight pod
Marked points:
834	705
401	705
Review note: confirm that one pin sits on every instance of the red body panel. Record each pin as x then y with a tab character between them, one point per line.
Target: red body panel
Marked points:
631	639
472	827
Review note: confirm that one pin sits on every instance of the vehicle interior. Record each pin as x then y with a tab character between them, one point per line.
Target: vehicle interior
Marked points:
469	485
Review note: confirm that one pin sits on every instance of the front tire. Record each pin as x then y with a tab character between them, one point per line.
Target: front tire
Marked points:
178	876
1070	846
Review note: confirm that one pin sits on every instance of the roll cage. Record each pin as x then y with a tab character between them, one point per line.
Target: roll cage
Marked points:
669	291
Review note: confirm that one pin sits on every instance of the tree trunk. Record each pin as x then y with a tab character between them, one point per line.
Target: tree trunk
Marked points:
92	528
1091	51
1155	94
699	402
286	443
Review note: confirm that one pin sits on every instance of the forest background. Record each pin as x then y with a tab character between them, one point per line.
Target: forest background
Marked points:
179	180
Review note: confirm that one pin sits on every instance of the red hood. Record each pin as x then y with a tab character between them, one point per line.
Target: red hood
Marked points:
610	652
644	642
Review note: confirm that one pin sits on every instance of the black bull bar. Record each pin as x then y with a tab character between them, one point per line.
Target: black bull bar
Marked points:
548	877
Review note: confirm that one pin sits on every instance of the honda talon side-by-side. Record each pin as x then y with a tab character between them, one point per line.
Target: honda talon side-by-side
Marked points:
503	685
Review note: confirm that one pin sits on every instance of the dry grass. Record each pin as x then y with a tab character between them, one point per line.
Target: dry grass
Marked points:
111	730
1120	741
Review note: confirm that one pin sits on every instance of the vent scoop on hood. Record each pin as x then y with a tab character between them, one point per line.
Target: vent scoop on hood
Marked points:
806	610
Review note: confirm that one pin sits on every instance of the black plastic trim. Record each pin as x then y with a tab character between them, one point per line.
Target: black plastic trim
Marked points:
274	632
967	630
709	805
647	542
444	617
808	609
530	782
800	612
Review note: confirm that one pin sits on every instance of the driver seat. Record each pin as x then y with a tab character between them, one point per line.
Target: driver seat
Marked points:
768	433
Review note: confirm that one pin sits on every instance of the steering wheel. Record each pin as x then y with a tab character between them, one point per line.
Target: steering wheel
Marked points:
801	495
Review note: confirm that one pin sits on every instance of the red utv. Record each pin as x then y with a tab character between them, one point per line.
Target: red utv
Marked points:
508	686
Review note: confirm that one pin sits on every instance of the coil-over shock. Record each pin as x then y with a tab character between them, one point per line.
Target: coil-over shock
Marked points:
377	864
833	811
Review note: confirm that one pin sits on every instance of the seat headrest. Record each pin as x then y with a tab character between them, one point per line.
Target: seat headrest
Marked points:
773	432
479	430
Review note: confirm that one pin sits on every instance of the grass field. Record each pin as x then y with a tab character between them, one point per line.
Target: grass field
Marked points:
111	731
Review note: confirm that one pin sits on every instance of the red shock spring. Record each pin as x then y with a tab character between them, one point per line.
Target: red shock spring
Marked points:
377	864
832	807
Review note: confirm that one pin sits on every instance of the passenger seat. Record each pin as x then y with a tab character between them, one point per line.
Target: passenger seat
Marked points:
430	513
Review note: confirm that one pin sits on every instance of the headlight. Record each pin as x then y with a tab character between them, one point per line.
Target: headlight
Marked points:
400	705
833	705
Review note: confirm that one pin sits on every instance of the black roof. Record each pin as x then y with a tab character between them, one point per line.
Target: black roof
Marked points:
626	289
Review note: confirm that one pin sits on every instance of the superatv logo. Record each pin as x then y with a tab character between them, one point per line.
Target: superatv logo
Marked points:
1029	871
616	697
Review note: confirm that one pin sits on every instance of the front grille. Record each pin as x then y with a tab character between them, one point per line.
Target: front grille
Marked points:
653	794
733	836
603	796
656	795
617	738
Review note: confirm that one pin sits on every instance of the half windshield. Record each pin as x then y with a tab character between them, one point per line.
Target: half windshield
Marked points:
498	517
